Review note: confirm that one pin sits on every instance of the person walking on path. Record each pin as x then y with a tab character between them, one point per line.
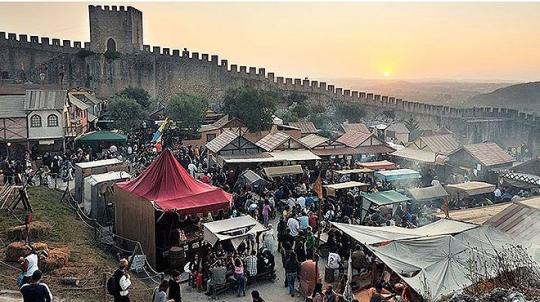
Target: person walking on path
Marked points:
35	291
291	268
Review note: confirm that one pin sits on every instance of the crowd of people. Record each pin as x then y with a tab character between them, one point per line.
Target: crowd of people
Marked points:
289	204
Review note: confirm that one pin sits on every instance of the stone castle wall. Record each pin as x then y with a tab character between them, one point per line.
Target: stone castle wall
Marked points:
164	72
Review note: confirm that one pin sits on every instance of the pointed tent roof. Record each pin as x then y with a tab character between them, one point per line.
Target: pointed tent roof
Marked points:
170	186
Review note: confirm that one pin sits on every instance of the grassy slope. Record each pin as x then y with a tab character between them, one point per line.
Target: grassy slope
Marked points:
86	262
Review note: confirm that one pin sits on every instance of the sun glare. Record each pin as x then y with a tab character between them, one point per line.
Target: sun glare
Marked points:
386	74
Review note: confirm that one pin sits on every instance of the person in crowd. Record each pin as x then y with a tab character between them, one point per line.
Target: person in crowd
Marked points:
330	295
174	287
218	277
266	212
317	295
291	268
123	282
36	291
29	264
239	276
293	226
256	297
251	263
160	292
303	221
308	277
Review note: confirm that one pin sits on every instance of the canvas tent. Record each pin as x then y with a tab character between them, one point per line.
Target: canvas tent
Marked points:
248	177
427	194
283	171
235	229
86	169
368	235
383	198
164	186
96	190
434	260
470	188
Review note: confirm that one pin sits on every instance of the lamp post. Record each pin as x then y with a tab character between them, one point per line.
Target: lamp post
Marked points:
7	149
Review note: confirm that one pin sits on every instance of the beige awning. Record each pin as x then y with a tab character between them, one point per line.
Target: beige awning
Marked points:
353	171
283	171
471	188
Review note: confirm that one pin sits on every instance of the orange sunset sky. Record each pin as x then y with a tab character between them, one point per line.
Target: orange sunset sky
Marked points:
462	41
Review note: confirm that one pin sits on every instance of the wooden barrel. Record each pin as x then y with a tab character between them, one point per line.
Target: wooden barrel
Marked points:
176	258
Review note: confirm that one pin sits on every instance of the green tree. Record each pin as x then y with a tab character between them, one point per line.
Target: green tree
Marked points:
297	98
187	110
318	108
301	110
289	116
254	107
349	111
140	95
126	113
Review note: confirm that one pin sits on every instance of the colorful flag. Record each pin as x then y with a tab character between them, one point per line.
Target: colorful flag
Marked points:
445	209
317	187
159	133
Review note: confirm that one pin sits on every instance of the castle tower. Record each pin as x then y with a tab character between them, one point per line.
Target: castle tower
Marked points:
115	28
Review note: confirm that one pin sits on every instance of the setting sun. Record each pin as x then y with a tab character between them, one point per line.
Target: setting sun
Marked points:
386	74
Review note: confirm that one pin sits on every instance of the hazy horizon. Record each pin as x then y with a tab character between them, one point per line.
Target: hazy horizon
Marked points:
486	42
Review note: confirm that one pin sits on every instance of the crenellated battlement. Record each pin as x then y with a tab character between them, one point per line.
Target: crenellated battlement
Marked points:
40	43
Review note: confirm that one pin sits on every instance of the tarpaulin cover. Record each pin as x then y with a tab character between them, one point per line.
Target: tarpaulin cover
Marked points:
438	266
379	165
235	229
373	235
427	193
170	186
385	197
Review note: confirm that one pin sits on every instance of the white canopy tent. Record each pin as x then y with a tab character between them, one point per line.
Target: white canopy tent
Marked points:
438	266
368	235
235	229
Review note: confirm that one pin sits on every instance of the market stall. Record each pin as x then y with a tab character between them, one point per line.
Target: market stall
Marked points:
252	179
280	171
435	193
161	208
351	174
235	230
333	188
399	178
470	194
85	169
379	165
379	199
97	193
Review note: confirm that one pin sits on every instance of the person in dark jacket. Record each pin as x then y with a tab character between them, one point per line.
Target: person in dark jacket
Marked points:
36	291
174	287
291	268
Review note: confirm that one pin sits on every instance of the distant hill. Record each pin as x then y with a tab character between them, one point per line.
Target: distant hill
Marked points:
437	92
525	97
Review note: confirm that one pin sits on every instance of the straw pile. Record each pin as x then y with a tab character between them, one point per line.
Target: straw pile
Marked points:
16	250
38	230
57	258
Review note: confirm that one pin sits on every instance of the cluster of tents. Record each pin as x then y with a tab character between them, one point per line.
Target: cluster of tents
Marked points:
442	257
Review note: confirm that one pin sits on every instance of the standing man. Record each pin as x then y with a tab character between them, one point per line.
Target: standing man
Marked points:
174	287
29	264
293	225
36	291
123	282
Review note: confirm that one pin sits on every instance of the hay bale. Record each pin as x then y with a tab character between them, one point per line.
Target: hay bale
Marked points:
56	258
16	250
38	230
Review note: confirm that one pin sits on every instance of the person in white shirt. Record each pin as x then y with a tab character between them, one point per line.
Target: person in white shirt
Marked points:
124	282
334	260
192	168
29	264
293	226
301	201
291	202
